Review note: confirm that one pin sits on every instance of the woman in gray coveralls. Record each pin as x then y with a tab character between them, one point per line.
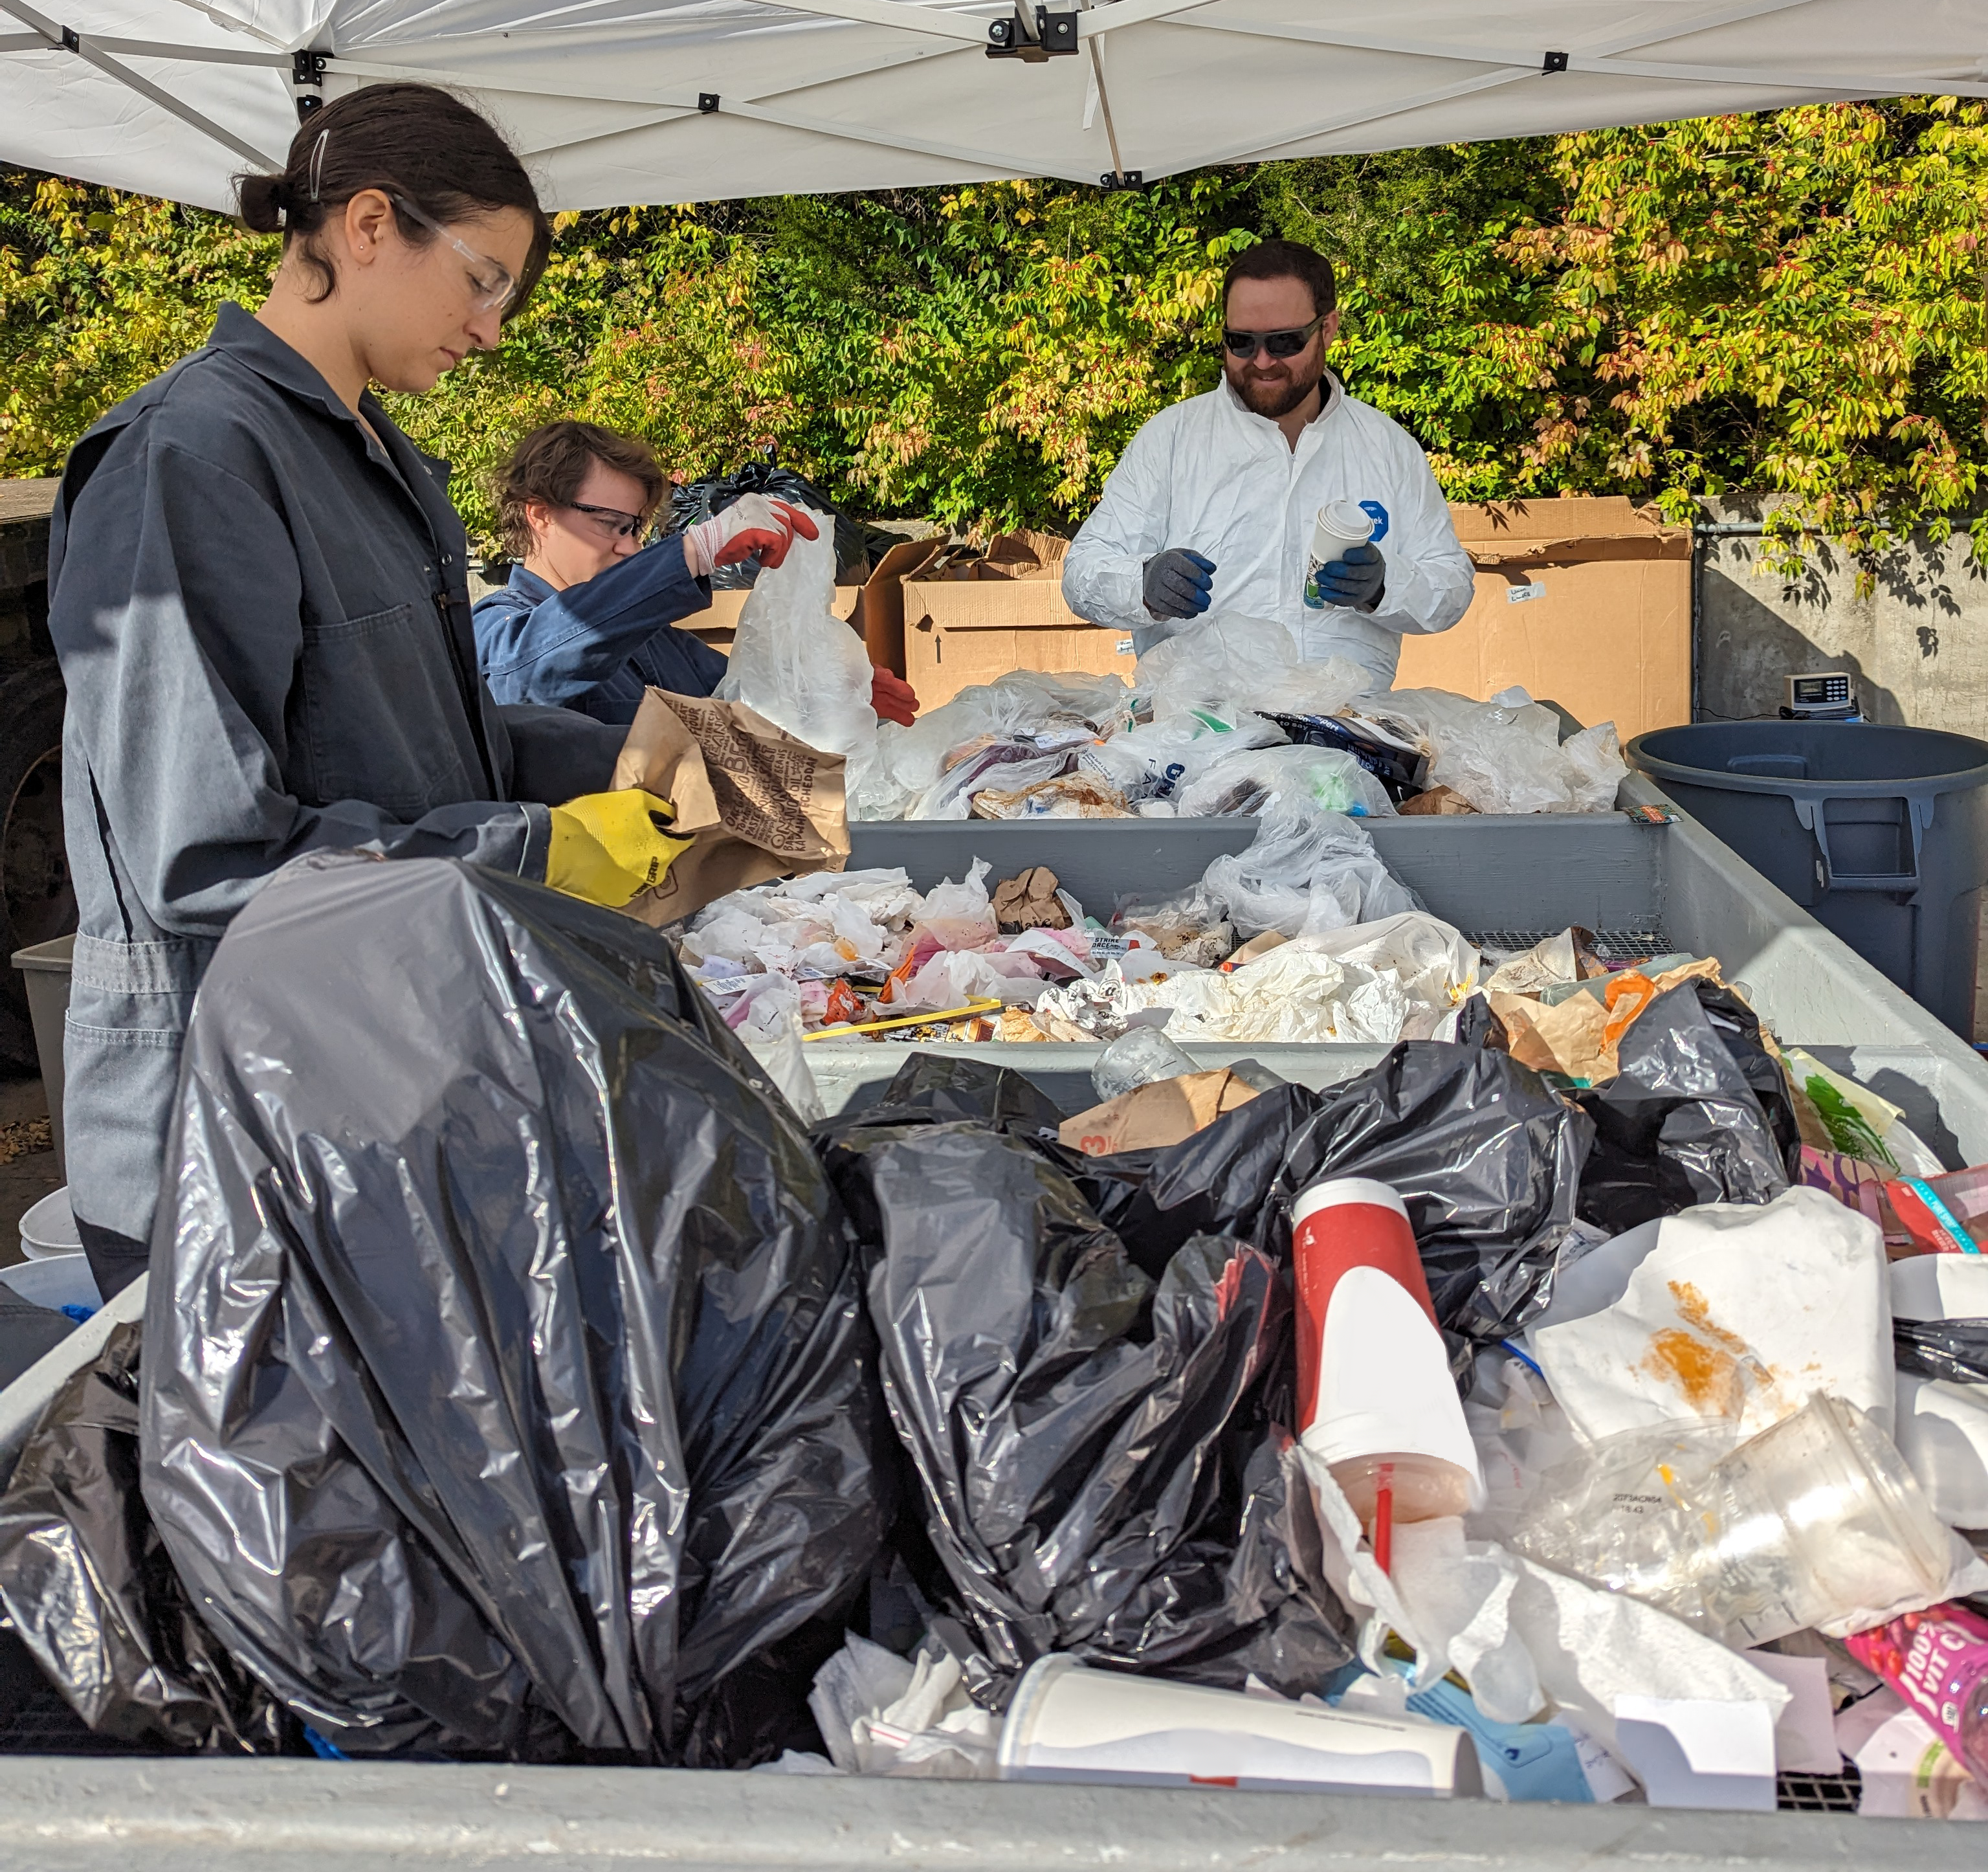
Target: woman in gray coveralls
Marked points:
258	593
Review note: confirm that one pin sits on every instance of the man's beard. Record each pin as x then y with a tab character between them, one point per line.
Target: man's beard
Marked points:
1266	400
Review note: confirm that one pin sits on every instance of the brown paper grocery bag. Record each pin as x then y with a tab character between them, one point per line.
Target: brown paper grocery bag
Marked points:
755	802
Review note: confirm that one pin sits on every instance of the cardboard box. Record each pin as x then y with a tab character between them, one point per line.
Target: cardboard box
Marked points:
874	606
719	625
1582	602
978	620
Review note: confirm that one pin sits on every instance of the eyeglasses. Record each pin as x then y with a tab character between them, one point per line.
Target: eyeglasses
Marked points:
1277	343
619	525
489	280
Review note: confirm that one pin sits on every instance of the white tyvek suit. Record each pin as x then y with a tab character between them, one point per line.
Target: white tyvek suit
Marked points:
1212	476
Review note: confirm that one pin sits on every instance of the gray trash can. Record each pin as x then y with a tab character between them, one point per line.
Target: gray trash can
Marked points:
1881	832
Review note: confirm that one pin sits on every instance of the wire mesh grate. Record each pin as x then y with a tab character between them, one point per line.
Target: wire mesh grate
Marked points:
1819	1793
1610	945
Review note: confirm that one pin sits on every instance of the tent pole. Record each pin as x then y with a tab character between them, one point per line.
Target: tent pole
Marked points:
64	38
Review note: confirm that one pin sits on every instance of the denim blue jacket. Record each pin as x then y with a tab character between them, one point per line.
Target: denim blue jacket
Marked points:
262	618
596	647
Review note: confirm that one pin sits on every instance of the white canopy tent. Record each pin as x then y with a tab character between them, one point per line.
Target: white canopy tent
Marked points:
616	101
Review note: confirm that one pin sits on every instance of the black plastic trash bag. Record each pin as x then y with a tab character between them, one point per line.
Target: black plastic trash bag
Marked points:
1484	1153
1956	1350
695	501
1102	1471
508	1390
1219	1182
85	1581
1699	1113
938	1088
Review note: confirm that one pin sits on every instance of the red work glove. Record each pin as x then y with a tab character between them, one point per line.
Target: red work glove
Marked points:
753	526
893	698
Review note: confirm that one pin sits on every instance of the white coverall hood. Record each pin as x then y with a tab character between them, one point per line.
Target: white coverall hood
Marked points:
1211	474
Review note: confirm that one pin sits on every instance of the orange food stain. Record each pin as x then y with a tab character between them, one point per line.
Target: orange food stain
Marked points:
1709	1375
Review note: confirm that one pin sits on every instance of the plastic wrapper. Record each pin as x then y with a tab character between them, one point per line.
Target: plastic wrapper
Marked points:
1486	1156
800	666
1699	1112
1304	872
436	1121
1400	765
1956	1350
86	1581
1190	926
1322	779
1067	796
1102	1470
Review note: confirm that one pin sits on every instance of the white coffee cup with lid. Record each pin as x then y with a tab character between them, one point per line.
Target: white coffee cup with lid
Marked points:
1342	525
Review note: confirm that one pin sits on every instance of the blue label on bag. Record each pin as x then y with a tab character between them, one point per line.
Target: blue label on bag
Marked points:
1380	515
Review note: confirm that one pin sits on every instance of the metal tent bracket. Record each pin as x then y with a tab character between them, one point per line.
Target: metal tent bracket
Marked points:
1033	34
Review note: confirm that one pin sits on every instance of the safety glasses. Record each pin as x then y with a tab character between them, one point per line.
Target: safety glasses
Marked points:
1277	343
611	520
489	280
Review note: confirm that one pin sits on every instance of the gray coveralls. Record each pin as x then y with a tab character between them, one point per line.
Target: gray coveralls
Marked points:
262	617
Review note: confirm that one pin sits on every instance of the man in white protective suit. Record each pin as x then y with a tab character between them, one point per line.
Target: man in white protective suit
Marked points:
1213	505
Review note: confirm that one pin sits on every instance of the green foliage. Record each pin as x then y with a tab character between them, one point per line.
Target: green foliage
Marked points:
1789	304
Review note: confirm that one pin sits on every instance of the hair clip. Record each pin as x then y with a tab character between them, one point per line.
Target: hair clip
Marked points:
317	161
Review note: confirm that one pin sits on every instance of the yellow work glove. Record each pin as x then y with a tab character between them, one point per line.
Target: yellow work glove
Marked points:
607	846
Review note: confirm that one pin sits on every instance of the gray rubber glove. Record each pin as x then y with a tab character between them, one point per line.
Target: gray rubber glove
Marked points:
1353	582
1178	583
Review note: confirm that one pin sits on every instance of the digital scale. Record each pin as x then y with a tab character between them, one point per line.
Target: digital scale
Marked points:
1826	696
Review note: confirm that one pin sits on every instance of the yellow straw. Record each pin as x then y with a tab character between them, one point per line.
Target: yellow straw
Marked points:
878	1027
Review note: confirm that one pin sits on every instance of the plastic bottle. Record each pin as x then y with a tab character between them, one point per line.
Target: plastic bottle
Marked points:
1376	1401
1342	525
1937	1660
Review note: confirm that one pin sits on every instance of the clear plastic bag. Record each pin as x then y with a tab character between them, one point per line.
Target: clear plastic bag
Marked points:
1505	755
1248	780
1158	759
1305	872
796	663
1235	663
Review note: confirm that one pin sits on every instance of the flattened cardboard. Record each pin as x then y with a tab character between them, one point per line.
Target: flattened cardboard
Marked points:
1586	601
756	803
1150	1117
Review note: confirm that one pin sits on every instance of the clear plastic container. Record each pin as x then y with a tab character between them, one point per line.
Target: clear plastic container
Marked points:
1616	1511
1139	1056
1816	1522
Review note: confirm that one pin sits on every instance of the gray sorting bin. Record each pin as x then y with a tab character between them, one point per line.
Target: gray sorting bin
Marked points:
1882	832
1641	888
1636	885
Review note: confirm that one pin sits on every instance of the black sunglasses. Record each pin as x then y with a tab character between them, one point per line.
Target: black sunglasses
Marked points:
1277	343
622	525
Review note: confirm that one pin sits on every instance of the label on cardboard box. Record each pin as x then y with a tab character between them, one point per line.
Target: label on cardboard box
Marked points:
1518	594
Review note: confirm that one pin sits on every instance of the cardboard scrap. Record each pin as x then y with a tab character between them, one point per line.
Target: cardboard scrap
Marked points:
1580	1036
1028	901
755	802
1149	1117
1438	802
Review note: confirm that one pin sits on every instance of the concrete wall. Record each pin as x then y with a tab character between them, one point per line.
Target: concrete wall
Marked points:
1916	646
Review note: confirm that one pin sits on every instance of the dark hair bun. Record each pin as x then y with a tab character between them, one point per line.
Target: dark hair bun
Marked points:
263	199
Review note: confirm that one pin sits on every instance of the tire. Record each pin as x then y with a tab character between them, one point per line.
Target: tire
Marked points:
37	895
